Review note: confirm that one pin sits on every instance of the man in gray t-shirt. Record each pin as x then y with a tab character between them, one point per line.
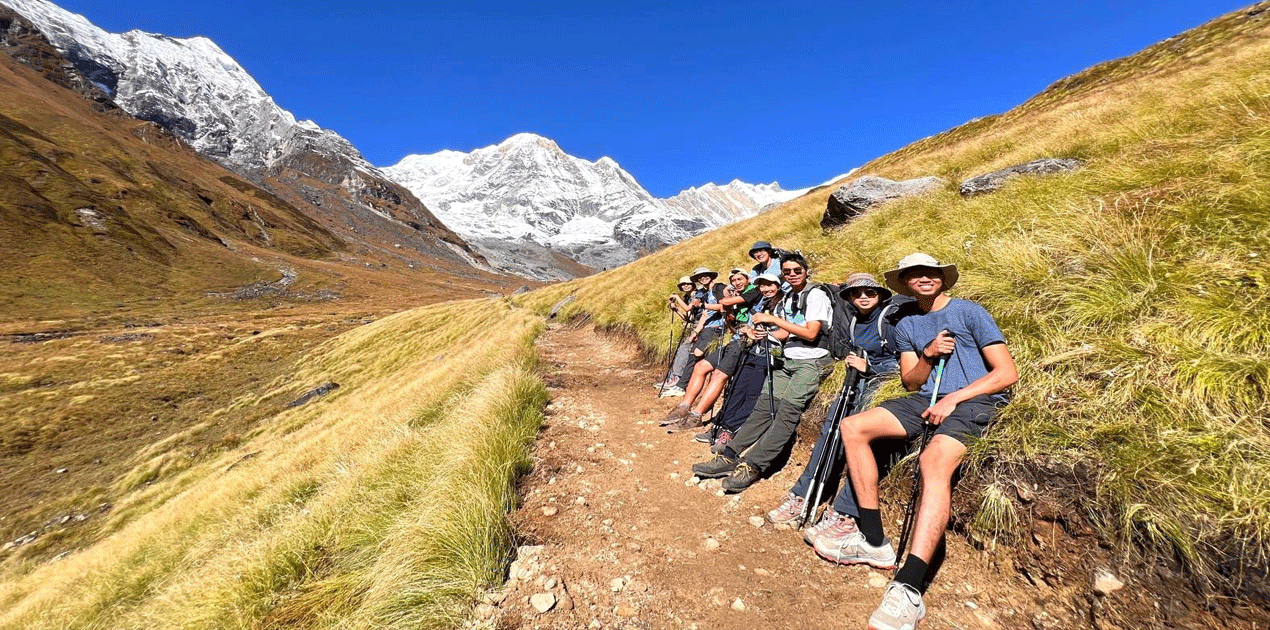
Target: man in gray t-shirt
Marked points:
977	371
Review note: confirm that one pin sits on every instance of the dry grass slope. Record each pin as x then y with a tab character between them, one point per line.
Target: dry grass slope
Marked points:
381	505
1134	292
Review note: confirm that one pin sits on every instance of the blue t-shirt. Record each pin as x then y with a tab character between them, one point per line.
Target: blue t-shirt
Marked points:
973	329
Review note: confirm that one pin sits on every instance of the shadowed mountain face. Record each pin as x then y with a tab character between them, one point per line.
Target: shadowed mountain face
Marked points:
98	207
193	89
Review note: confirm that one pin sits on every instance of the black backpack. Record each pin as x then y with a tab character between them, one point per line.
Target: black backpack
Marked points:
842	337
840	341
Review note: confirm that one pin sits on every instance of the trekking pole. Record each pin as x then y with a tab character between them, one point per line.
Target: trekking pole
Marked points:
771	396
911	512
848	400
670	351
723	404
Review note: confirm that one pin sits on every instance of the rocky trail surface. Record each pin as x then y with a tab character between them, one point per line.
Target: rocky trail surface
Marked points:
617	534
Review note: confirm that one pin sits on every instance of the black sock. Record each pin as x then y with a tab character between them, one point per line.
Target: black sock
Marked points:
729	453
871	526
913	573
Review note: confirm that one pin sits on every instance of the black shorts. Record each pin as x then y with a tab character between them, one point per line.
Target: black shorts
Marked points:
728	358
969	420
706	341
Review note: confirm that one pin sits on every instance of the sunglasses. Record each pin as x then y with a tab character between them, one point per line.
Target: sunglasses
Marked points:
793	272
922	272
855	293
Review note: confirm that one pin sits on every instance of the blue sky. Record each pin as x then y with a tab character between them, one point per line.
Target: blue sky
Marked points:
679	93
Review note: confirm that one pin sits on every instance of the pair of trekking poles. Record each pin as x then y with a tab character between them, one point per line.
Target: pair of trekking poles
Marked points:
848	399
661	388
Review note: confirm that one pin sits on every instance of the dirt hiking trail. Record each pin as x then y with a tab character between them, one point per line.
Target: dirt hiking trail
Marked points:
618	535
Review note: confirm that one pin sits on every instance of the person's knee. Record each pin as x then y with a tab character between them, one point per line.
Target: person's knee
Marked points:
941	458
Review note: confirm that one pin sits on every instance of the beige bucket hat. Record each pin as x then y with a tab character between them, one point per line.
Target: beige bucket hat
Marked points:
919	260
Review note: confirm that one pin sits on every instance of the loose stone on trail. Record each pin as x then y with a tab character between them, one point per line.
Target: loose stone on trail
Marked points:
738	605
550	510
756	521
542	602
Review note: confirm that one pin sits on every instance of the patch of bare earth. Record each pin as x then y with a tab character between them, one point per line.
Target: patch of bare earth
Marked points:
619	535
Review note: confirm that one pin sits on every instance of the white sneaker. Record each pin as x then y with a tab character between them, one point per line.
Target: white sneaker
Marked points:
902	608
671	391
854	549
789	511
832	525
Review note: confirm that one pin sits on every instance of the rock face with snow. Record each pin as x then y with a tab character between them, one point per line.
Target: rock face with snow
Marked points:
526	189
195	90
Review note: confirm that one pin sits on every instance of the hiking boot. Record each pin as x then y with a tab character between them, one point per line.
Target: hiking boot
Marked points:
854	549
691	421
705	437
720	466
789	511
743	477
675	414
721	442
902	608
832	527
671	391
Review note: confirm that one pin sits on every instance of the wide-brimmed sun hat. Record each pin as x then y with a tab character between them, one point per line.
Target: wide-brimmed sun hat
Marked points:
684	280
766	277
761	245
704	271
864	280
919	260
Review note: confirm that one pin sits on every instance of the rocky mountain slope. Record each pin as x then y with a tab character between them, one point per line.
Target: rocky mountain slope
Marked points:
527	190
196	91
100	211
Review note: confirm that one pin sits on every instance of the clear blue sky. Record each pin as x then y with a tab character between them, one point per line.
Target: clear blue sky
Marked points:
679	93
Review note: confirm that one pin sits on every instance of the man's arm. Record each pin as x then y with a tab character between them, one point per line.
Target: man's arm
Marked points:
806	331
1002	374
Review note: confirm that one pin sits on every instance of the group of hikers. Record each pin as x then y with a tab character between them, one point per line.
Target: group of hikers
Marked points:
762	342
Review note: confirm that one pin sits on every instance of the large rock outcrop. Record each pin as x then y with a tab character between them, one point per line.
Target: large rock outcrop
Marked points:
996	179
858	195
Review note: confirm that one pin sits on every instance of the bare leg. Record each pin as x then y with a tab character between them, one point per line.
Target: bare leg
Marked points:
939	462
700	374
713	389
858	432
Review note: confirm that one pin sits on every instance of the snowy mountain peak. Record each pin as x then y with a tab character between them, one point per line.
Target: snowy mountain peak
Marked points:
189	86
527	188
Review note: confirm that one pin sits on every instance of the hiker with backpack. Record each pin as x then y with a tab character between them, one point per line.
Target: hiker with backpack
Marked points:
765	260
710	374
681	306
802	321
871	313
709	326
954	359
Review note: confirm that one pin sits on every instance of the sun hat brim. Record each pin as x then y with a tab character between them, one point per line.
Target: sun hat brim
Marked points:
897	285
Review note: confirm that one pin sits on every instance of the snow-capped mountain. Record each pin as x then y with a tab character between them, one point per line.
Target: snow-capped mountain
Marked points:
195	90
189	86
528	189
720	205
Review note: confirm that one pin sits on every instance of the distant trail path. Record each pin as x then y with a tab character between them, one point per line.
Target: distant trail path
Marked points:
638	518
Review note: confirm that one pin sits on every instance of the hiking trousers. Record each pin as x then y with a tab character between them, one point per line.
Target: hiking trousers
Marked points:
794	383
845	502
745	391
681	359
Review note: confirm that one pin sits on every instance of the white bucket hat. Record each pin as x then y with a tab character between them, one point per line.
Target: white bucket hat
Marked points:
919	260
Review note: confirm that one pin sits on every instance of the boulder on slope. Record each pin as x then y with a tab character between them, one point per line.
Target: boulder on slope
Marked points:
856	196
996	179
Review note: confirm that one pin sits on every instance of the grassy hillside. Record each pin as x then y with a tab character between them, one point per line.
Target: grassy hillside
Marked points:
1134	292
379	505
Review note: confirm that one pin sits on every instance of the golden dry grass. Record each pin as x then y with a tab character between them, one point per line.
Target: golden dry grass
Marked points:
367	508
